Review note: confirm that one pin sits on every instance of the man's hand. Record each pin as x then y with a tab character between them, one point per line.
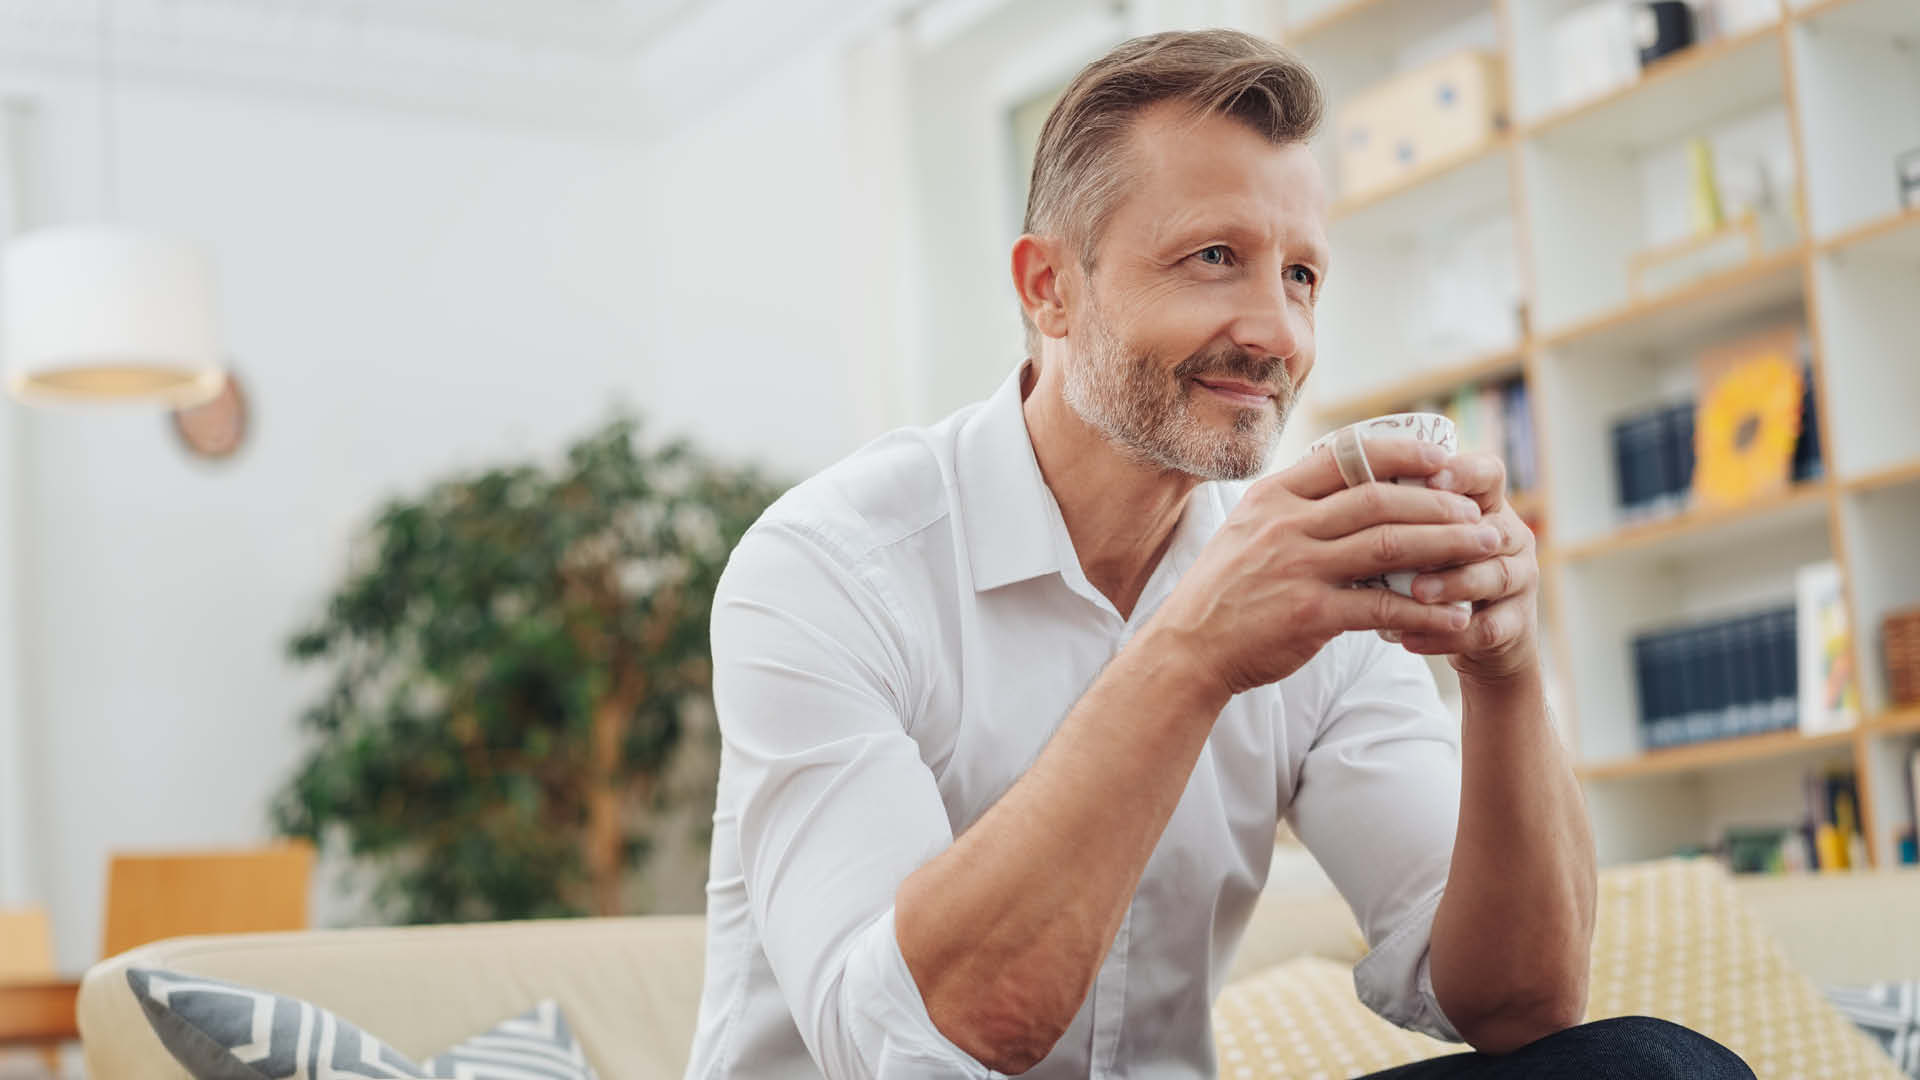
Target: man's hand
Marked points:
1274	584
1500	641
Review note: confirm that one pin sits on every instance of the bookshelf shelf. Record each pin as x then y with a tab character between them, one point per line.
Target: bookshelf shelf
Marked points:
1529	505
1720	752
1706	526
1468	168
1891	476
1686	91
1899	721
1692	310
1435	381
1345	11
1877	16
1896	236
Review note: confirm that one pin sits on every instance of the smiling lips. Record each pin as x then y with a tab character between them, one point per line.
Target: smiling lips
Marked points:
1243	393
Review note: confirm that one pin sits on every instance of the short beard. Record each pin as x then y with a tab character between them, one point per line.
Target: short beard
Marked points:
1149	414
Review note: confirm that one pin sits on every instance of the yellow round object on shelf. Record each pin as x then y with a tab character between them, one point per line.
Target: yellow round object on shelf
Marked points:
1749	421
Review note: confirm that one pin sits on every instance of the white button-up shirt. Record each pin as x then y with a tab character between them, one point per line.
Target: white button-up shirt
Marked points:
893	644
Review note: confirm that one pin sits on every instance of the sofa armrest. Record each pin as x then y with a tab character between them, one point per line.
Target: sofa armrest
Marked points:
1842	929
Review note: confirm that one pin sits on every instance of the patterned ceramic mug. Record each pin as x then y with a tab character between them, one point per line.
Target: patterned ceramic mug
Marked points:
1352	462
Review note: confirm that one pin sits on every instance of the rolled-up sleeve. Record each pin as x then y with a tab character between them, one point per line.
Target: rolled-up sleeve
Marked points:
1377	802
813	690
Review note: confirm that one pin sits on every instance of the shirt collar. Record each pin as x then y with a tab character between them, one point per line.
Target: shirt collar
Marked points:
1013	526
1007	511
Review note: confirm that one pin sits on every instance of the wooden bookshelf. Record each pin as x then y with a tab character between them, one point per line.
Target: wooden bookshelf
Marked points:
1648	534
1716	753
1434	382
1584	186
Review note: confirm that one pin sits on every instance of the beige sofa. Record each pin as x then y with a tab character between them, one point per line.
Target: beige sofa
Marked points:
631	986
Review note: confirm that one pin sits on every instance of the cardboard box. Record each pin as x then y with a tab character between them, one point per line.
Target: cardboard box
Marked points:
1428	114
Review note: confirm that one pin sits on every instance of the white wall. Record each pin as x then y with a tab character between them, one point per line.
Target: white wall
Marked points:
403	295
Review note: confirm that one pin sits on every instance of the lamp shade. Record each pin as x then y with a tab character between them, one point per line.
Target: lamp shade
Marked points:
99	313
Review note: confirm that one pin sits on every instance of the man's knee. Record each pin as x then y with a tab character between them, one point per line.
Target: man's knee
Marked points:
1646	1048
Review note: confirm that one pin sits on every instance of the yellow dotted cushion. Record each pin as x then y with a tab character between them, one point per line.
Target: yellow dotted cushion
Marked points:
1671	940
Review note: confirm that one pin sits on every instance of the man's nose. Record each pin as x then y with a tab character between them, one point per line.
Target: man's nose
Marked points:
1268	323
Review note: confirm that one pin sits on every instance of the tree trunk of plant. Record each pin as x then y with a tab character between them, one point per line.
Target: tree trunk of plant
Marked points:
605	835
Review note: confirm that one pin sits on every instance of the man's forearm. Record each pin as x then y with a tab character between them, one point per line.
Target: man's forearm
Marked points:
1512	936
1005	931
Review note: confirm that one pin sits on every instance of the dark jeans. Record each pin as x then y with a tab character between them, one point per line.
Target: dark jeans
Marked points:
1621	1048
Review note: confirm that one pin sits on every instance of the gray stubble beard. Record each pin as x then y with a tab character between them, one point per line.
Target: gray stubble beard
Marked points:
1149	414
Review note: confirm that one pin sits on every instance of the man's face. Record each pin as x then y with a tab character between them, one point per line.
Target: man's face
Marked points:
1195	328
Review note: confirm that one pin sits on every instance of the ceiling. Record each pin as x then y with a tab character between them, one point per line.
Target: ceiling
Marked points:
552	63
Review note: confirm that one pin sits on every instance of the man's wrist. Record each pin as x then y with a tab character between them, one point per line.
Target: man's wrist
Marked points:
1522	677
1172	661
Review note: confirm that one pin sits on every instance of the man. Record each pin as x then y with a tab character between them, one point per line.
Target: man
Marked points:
1013	705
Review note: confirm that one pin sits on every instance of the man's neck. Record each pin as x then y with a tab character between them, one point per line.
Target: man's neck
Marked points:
1120	515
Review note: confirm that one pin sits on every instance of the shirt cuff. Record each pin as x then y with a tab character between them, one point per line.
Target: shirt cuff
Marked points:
893	1029
1395	980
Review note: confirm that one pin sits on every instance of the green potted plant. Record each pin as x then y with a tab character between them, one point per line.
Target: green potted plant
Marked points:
514	659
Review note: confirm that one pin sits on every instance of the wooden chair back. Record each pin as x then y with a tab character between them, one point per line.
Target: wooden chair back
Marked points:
26	945
156	896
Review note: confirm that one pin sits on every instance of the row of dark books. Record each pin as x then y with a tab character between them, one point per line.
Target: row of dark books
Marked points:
1718	679
1653	454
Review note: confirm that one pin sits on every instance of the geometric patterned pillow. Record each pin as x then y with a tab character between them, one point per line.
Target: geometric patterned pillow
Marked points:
223	1031
1890	1012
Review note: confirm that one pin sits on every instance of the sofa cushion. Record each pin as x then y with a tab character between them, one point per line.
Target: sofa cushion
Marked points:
1671	940
224	1031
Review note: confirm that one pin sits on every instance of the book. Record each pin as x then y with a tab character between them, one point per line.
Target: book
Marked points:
1676	461
1829	695
1807	464
1522	461
1747	424
1913	792
1747	675
1626	495
1783	659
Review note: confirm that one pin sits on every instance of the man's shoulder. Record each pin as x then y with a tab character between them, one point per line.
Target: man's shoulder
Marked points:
892	488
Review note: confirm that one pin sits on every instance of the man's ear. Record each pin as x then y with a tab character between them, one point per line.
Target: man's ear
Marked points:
1037	272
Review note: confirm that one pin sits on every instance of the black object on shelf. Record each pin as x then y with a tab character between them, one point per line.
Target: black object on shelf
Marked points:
1662	28
1806	452
1717	679
1908	167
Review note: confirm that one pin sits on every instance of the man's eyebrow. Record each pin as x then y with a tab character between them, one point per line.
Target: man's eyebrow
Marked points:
1180	232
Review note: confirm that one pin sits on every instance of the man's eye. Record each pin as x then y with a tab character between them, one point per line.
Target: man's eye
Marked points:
1215	255
1303	275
